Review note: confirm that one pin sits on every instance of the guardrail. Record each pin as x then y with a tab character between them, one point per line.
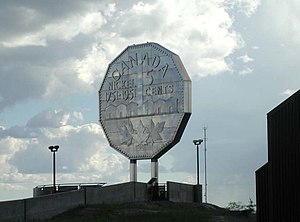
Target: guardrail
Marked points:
72	184
46	189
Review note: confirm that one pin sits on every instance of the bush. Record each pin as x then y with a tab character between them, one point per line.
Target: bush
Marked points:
238	206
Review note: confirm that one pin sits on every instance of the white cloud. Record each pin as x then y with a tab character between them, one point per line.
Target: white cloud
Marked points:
246	71
82	158
103	163
9	147
66	30
189	179
143	8
201	32
54	118
19	132
8	173
83	152
26	40
283	17
78	115
91	67
245	58
288	92
248	7
92	153
49	118
11	186
15	178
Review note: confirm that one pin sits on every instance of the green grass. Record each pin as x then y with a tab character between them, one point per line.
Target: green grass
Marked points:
162	211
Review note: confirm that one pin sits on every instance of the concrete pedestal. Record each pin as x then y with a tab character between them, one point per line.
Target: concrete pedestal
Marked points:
133	171
154	169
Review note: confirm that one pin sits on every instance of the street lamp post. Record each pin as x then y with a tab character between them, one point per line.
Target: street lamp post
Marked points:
54	149
197	143
205	174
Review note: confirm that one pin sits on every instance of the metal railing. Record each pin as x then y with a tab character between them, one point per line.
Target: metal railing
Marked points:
79	185
157	191
63	187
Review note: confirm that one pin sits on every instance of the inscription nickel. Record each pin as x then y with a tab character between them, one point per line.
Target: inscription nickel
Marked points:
144	97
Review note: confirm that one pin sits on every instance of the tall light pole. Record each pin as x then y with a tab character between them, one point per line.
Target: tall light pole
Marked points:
197	143
54	149
205	173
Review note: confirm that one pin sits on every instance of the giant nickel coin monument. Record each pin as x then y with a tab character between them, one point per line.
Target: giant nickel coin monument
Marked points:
145	103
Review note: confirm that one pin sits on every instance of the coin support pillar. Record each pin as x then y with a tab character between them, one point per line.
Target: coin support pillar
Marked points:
154	168
133	171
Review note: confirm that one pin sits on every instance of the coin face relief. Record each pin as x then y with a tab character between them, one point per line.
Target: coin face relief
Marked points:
145	101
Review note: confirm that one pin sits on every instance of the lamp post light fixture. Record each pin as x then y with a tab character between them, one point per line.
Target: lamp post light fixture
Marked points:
54	149
197	143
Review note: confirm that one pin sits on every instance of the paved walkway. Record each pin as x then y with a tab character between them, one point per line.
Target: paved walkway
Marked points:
231	219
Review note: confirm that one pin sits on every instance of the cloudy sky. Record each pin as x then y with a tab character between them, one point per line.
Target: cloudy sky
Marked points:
242	57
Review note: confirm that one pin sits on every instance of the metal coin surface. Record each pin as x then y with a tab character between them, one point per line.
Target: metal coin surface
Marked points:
145	101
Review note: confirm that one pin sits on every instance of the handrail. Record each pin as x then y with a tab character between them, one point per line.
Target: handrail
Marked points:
71	184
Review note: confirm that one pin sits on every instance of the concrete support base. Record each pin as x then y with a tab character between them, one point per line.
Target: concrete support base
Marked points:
133	171
154	168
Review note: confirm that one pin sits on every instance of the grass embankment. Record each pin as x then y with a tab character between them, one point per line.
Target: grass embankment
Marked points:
162	211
